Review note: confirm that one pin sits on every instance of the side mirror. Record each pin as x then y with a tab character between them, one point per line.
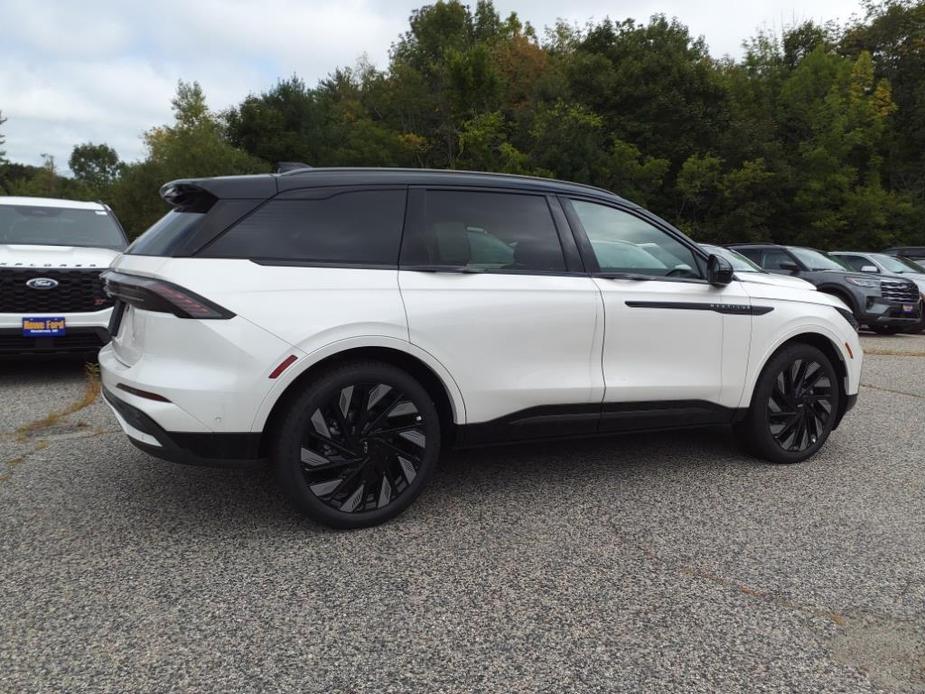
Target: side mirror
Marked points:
719	271
789	266
869	268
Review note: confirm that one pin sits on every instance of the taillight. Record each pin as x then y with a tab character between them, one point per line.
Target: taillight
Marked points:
165	297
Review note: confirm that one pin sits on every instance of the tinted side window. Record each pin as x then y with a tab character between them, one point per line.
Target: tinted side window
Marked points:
854	262
753	254
354	228
623	242
775	257
484	231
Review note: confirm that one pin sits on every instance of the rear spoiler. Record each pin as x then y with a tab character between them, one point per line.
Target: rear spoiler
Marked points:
185	197
199	194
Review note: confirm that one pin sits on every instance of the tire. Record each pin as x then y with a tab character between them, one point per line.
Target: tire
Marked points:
920	326
774	433
358	445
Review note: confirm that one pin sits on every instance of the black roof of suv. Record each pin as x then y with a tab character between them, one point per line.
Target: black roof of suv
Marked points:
266	185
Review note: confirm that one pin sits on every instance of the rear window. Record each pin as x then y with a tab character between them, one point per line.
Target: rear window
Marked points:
166	233
59	226
349	228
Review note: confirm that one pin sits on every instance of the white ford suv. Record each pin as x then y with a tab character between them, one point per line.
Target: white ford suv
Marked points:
346	324
51	255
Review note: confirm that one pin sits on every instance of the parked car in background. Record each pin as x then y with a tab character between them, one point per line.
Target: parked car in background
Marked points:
914	253
348	324
51	255
885	305
889	266
748	271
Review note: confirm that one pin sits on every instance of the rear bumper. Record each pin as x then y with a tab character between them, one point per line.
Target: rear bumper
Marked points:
224	450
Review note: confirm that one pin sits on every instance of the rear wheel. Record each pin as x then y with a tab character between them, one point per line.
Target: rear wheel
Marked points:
358	445
794	406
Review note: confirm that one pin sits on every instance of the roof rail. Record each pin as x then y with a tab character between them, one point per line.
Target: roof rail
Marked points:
286	166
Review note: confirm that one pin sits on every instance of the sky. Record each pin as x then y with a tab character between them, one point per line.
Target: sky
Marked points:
105	70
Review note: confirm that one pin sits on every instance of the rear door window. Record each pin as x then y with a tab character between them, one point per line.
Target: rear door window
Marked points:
484	232
358	228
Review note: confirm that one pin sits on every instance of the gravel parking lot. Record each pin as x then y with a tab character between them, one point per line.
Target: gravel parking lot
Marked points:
666	562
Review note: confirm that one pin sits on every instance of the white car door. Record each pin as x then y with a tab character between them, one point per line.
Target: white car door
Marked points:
491	292
675	346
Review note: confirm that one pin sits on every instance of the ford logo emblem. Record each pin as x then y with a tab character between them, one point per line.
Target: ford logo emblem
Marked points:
42	283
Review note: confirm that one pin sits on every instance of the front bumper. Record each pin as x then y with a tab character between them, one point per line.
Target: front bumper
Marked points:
208	449
889	314
85	332
76	341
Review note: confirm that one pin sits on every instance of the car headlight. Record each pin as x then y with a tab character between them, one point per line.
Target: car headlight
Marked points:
864	282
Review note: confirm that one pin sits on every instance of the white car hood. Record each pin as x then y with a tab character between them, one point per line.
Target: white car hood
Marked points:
52	257
774	280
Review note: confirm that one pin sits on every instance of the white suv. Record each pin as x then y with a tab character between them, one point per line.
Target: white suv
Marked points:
51	255
347	324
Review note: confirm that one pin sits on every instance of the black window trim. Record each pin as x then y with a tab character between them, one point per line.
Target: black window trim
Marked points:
414	211
590	259
324	193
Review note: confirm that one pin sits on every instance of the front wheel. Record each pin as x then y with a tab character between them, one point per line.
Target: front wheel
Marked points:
794	406
358	445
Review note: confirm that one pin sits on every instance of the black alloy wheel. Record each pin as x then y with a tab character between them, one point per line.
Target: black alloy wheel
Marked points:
794	406
358	445
800	405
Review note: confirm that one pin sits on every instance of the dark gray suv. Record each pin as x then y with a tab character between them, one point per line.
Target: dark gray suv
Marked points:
885	305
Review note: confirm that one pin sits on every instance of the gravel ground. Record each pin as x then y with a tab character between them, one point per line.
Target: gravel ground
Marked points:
666	562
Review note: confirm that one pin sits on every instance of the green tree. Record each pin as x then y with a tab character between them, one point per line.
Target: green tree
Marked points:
193	146
893	32
97	166
2	140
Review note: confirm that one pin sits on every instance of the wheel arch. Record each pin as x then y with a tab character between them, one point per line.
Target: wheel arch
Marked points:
827	346
446	397
844	294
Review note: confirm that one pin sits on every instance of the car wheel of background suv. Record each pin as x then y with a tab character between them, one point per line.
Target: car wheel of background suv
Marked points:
358	445
920	326
794	406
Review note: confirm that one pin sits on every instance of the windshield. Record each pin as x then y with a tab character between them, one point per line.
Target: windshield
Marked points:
59	226
738	261
897	265
916	267
814	260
